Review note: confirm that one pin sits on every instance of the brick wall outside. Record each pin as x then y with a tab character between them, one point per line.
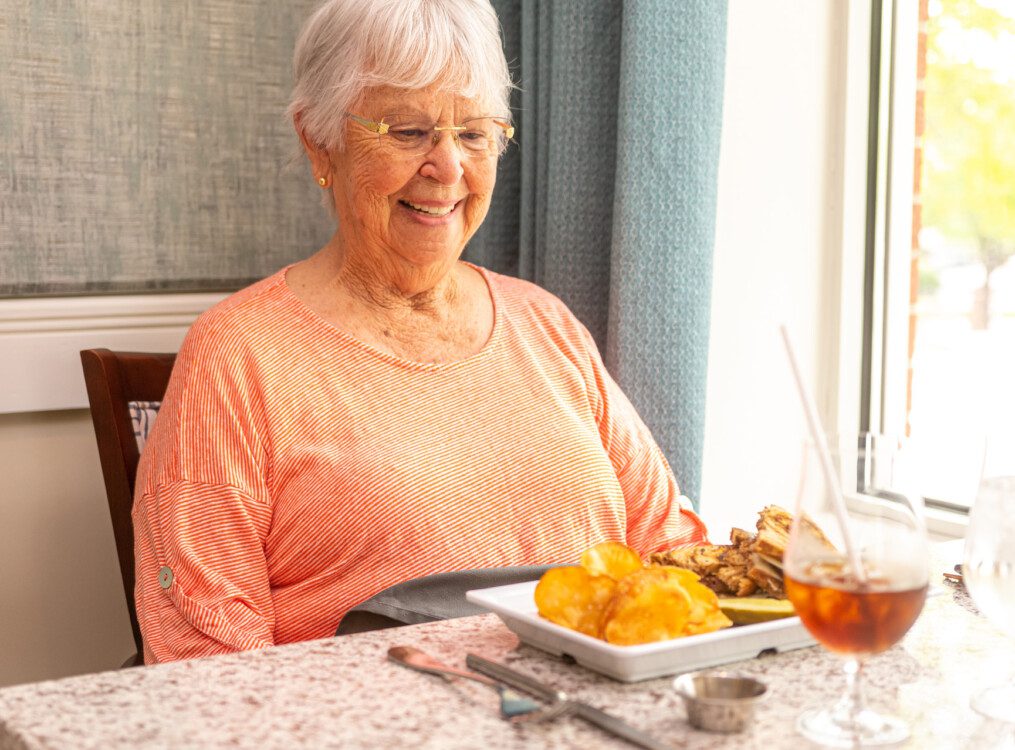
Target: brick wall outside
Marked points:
914	261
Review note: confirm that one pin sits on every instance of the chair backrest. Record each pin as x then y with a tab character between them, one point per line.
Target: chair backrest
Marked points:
115	381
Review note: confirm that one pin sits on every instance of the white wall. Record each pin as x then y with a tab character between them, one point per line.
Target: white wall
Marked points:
62	609
777	257
779	225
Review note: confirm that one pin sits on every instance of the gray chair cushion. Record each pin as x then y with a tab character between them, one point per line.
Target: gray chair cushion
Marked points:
436	597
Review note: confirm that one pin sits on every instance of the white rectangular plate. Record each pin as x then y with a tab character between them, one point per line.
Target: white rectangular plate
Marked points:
515	605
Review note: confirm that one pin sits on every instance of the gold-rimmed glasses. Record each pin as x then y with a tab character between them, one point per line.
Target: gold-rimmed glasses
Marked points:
413	135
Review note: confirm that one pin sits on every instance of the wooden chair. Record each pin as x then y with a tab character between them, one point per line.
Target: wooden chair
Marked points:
113	380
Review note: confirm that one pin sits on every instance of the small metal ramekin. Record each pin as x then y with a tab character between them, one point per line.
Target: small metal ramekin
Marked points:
718	701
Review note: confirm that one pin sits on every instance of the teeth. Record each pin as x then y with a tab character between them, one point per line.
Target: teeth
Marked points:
432	210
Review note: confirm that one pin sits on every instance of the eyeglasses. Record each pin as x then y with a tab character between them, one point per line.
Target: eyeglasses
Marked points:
414	136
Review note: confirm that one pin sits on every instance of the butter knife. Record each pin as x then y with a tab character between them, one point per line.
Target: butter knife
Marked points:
591	714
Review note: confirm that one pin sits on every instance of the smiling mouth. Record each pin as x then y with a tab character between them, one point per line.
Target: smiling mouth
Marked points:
430	210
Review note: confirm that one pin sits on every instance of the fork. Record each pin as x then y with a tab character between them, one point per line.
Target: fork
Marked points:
513	707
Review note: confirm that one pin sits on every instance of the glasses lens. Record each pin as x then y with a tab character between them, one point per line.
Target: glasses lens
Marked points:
479	136
408	134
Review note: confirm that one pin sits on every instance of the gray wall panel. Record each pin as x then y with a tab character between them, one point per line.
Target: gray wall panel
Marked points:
143	145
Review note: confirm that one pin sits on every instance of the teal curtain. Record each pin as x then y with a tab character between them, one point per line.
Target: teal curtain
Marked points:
609	200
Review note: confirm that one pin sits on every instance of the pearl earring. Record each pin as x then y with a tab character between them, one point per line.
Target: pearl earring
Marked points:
322	181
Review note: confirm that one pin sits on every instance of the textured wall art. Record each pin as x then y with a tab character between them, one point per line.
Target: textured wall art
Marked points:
143	145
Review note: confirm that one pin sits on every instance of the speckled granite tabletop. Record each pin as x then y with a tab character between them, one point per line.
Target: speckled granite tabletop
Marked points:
343	693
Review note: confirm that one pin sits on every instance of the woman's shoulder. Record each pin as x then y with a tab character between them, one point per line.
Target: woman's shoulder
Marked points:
528	304
243	315
521	295
238	330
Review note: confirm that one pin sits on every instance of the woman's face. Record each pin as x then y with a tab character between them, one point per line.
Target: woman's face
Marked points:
417	209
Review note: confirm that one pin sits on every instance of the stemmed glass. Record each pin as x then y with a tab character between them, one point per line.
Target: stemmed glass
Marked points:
856	591
988	571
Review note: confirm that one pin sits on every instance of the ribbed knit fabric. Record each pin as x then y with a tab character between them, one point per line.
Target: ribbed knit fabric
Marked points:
294	471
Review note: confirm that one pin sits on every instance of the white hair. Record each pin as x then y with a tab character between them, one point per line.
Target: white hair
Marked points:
349	45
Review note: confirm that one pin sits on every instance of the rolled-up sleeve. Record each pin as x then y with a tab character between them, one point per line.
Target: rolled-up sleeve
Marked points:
202	581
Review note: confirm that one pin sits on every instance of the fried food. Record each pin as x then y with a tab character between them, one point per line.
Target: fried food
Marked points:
611	559
767	575
723	568
642	605
648	605
704	559
574	598
705	615
773	532
749	565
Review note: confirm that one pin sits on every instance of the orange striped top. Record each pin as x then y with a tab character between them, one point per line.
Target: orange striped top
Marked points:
294	471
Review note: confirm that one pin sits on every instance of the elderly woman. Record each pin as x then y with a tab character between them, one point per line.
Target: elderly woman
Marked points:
383	410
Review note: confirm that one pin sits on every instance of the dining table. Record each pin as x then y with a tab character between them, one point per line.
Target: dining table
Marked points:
344	692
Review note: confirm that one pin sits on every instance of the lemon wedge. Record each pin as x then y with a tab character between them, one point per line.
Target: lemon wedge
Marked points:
749	610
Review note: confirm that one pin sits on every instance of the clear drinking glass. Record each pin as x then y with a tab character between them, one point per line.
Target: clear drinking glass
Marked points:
857	615
989	574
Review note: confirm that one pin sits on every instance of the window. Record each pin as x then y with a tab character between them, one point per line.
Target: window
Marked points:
939	361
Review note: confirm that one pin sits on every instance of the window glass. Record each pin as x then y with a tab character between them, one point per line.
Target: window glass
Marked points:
959	378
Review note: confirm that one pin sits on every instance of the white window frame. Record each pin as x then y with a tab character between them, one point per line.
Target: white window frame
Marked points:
889	244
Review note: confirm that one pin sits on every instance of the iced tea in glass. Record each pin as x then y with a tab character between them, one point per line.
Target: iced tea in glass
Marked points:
857	589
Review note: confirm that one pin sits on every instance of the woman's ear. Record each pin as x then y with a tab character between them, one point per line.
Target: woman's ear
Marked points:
320	158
